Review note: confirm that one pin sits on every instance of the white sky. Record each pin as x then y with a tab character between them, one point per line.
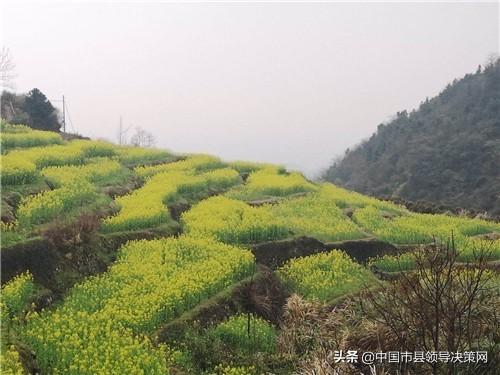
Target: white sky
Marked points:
291	83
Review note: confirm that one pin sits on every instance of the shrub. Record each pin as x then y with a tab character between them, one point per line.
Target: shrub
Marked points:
71	231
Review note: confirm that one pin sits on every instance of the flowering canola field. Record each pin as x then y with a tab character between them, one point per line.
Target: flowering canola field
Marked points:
325	276
102	325
107	323
145	207
23	136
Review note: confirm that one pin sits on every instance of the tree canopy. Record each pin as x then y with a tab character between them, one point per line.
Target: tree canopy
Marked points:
32	109
41	112
447	151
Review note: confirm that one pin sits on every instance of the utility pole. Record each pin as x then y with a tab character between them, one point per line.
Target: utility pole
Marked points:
120	132
64	116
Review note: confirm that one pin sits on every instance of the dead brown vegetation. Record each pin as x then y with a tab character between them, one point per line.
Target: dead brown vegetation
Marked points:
438	307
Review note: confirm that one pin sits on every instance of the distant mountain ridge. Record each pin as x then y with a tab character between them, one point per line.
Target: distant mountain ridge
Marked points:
446	152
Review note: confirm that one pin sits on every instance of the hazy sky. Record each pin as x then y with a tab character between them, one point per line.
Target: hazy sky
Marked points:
292	83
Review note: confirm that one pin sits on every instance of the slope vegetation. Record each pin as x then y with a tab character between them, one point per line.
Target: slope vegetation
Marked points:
446	152
199	272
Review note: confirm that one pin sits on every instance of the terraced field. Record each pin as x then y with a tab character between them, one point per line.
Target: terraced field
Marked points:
104	246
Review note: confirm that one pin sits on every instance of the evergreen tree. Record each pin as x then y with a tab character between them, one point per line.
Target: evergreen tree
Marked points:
42	114
447	151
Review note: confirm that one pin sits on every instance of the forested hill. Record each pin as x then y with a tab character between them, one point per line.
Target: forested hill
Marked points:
446	152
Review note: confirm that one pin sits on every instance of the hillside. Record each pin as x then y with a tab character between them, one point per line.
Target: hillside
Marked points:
446	152
127	260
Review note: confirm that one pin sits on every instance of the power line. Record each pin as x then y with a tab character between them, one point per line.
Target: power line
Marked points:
64	116
122	134
69	118
65	111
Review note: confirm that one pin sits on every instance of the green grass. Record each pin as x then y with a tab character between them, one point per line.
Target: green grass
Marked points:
11	237
394	263
247	334
469	250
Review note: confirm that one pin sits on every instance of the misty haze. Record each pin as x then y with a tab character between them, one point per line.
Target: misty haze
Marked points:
238	188
294	84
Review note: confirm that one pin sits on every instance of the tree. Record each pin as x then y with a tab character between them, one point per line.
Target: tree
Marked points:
142	138
42	114
455	130
12	108
6	68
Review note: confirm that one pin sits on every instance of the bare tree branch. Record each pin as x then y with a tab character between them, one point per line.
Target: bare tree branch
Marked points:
7	67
